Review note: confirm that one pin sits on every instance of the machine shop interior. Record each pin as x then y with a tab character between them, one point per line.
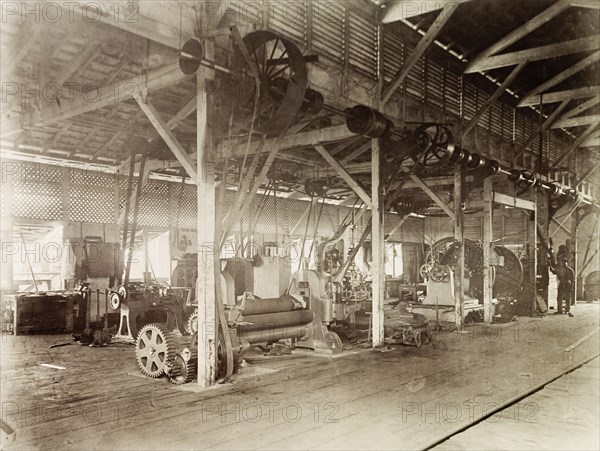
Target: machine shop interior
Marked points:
300	224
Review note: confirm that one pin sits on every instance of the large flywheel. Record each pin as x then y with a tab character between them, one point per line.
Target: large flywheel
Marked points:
271	107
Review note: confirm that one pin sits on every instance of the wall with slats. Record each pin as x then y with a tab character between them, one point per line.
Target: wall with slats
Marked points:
39	191
347	35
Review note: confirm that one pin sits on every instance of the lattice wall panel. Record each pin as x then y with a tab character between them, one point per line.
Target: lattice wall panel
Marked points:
188	217
154	205
37	200
92	197
91	204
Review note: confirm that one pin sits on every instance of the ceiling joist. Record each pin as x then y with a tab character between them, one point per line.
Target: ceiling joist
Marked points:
405	9
418	51
562	76
559	96
590	43
576	144
576	121
518	33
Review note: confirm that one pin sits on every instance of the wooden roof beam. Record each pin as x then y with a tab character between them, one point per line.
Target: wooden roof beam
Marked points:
27	37
592	141
559	96
576	121
78	64
588	44
581	108
562	76
592	4
576	144
497	93
356	187
545	125
587	174
170	139
405	9
518	33
303	139
423	44
100	98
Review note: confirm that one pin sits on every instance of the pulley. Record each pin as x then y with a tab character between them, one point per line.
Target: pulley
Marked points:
435	145
368	122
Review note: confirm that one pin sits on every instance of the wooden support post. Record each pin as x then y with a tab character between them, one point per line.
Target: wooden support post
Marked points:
7	242
488	239
377	237
532	244
207	247
574	227
459	237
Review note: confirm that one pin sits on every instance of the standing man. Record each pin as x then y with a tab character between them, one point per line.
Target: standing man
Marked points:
566	282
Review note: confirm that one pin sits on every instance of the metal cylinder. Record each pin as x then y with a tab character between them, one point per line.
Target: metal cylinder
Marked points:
277	320
273	334
313	102
271	305
368	122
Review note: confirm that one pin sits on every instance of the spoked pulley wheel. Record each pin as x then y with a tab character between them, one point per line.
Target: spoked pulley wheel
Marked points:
435	145
283	82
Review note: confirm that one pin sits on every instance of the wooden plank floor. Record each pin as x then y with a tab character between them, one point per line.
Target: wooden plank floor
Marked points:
563	415
407	398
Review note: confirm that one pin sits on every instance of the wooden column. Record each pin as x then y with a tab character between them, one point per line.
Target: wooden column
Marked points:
488	238
8	245
459	237
377	236
574	226
207	258
532	245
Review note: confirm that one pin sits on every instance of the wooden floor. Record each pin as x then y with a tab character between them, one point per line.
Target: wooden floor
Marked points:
563	415
407	398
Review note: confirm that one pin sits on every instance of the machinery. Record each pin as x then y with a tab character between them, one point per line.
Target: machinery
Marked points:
251	320
439	271
264	90
141	303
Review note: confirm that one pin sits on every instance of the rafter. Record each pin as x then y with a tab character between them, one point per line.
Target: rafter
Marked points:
423	44
592	141
170	139
405	9
518	33
545	125
499	91
356	153
559	96
73	68
103	97
27	37
576	144
303	139
356	187
581	108
586	175
590	43
576	121
562	76
421	184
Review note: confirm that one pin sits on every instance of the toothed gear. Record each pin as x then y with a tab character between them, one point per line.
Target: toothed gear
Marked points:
192	323
154	350
182	371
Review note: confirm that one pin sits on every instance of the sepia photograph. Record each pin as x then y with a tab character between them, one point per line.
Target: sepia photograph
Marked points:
299	225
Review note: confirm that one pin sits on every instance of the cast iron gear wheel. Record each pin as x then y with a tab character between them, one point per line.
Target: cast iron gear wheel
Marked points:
192	322
154	350
182	371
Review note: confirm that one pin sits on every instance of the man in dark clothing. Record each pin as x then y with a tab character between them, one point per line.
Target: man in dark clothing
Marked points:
566	283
